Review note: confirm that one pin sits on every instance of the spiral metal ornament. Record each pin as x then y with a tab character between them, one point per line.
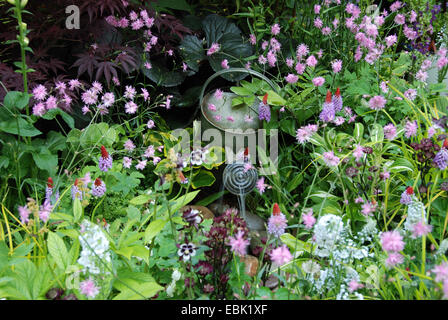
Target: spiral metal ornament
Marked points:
237	181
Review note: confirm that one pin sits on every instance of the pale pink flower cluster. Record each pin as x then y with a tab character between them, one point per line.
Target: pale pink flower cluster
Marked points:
305	133
392	242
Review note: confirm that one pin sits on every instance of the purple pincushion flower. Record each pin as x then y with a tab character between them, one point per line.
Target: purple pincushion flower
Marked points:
277	222
441	159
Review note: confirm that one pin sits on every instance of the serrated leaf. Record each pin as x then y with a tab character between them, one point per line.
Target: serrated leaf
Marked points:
58	250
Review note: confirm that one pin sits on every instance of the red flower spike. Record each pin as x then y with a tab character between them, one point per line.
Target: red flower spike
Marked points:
50	182
410	190
276	210
97	182
104	153
246	151
328	98
338	92
76	182
445	144
265	99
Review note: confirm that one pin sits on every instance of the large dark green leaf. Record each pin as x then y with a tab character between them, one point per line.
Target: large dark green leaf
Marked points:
192	50
16	99
51	114
162	76
45	160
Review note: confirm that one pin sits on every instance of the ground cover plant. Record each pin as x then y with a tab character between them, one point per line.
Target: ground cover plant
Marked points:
106	191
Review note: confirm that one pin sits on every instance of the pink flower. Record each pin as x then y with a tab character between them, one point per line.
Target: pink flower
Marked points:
391	40
337	66
88	288
411	94
148	65
384	87
24	213
392	241
141	165
410	129
421	229
252	39
358	152
130	107
40	92
127	162
304	134
302	50
390	132
354	285
238	244
214	48
218	94
421	75
359	200
262	59
275	29
441	271
211	107
129	145
318	81
150	124
318	23
443	61
272	59
316	9
395	6
289	62
326	31
225	64
261	186
300	68
130	92
400	19
39	109
291	78
368	208
330	159
230	118
377	102
308	219
311	61
51	103
393	259
281	255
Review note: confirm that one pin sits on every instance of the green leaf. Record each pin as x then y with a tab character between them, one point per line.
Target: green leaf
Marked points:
16	99
211	198
52	113
58	250
294	243
377	134
153	229
241	91
141	199
162	76
192	50
401	165
20	127
358	131
77	210
202	179
45	160
274	99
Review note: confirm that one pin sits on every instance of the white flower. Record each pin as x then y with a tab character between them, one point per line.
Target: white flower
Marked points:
326	233
95	249
176	275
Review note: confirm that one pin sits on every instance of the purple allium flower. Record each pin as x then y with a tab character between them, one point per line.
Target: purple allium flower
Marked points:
105	160
377	102
88	288
24	214
318	81
330	159
390	132
238	244
392	241
441	159
281	255
98	188
410	129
